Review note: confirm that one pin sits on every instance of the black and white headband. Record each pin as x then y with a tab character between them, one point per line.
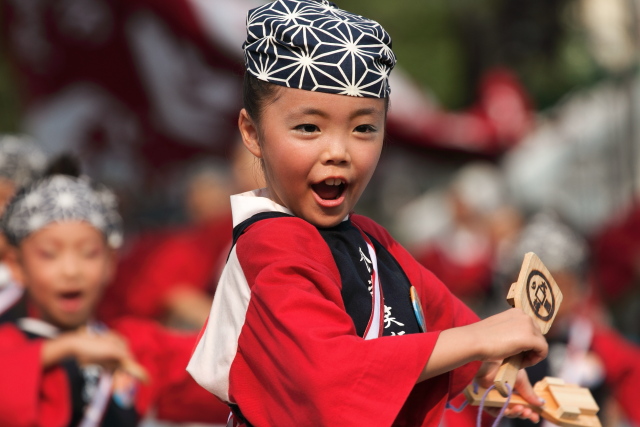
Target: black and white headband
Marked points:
62	198
21	159
315	46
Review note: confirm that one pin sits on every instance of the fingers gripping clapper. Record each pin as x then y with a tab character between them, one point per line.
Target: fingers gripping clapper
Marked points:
537	294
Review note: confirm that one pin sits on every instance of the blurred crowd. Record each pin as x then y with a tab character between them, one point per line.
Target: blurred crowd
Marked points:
469	192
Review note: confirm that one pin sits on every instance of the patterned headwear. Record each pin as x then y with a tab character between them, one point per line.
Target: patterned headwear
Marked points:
556	244
62	198
315	46
21	159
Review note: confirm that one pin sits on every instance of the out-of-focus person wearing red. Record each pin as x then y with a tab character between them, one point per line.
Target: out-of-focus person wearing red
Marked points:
616	259
480	220
172	276
21	160
61	366
583	348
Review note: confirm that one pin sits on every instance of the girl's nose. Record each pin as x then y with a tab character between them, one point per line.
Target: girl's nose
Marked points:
70	266
336	152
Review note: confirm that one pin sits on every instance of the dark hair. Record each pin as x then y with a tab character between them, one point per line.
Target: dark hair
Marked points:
257	94
64	164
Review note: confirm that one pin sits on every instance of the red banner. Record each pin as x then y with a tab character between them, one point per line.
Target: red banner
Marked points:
132	85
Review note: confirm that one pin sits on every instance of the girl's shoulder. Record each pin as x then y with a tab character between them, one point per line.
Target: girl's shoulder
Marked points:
277	225
280	227
374	229
282	239
280	235
12	338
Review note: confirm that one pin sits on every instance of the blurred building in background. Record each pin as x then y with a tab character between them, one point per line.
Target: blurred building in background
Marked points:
135	87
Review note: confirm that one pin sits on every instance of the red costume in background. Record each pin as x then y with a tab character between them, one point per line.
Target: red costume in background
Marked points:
468	279
31	396
192	258
621	360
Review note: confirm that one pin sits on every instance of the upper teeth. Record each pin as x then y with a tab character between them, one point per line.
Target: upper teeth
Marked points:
333	181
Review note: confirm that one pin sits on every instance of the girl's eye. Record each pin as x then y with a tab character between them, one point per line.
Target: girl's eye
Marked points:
47	254
307	128
90	252
365	129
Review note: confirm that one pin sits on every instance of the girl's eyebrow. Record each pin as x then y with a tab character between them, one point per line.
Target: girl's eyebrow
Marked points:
311	111
365	112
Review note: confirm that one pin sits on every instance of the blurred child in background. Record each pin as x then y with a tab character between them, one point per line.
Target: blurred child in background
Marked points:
467	226
583	350
174	279
60	365
21	161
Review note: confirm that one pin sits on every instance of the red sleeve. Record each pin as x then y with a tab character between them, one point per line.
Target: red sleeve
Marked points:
165	353
466	280
176	262
29	396
299	360
622	369
131	259
189	258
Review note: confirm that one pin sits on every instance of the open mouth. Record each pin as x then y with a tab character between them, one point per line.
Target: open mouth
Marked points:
70	295
330	188
71	300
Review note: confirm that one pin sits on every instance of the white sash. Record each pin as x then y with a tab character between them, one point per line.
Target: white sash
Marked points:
9	295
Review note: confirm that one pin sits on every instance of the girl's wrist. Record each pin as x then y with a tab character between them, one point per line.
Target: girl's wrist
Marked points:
57	349
475	346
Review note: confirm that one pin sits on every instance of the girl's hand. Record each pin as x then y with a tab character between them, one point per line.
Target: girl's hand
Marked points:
107	349
485	377
493	339
508	333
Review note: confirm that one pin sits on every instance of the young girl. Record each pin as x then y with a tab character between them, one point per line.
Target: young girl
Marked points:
21	161
318	316
61	367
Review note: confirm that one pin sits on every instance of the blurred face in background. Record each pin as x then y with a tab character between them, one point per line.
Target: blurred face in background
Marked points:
65	268
207	198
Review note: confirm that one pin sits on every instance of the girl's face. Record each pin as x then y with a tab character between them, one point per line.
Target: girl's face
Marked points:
318	150
66	266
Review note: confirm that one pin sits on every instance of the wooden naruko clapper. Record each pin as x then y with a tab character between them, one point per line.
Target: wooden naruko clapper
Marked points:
538	295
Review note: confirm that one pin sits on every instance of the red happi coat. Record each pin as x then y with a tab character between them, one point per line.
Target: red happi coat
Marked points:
280	345
191	257
31	397
621	361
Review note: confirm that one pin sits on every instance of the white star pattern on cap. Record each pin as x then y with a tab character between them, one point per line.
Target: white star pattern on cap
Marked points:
32	200
35	222
313	45
62	198
65	200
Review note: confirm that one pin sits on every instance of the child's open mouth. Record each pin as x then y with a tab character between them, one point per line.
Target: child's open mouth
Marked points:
330	188
71	301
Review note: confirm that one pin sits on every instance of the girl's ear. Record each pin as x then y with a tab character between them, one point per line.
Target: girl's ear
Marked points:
13	261
249	133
